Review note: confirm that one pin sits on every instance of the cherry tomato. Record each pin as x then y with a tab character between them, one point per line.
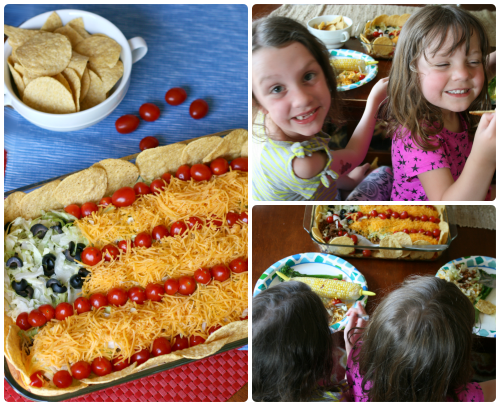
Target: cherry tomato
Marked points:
232	218
336	301
240	164
149	112
382	216
123	245
105	201
148	143
110	252
244	217
178	228
413	231
203	276
196	340
81	370
48	311
424	217
119	363
194	223
220	273
361	77
127	124
198	109
117	296
101	366
180	343
62	379
329	219
389	212
187	285
239	265
183	173
157	185
219	166
88	208
154	292
200	172
124	197
159	232
360	215
213	329
36	318
36	379
432	219
421	231
436	233
171	286
98	300
176	96
428	233
354	238
63	310
143	240
22	321
74	210
403	215
216	222
341	233
376	34
367	253
374	213
395	215
161	346
406	231
82	305
91	256
166	177
141	188
140	357
137	294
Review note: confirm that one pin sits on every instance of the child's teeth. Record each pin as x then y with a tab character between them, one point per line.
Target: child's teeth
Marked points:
458	91
304	117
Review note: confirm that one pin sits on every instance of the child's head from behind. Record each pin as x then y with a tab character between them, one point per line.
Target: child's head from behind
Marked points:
292	79
418	344
291	342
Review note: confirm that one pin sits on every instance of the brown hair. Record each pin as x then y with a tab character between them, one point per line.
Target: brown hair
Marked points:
406	106
418	344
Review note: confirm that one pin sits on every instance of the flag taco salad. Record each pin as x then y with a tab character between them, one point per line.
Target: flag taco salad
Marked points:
125	266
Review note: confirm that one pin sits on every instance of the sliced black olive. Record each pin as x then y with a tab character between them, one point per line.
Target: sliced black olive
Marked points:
57	229
83	273
80	247
14	262
18	286
22	293
342	214
72	247
76	281
30	291
58	288
51	282
69	257
39	230
48	263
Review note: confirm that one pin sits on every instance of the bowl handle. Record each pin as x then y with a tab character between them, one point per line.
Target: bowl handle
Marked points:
345	36
138	47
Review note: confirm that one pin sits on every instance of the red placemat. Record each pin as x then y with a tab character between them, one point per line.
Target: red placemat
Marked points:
213	379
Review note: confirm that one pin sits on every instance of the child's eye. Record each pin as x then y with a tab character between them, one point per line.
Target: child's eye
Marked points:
277	89
443	65
475	62
309	76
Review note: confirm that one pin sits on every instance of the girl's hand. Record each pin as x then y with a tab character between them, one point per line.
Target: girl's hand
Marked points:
379	92
485	140
354	319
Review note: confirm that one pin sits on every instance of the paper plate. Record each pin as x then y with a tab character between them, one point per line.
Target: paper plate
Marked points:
314	263
486	326
372	70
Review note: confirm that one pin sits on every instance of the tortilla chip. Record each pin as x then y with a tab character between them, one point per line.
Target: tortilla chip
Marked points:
480	113
95	94
119	173
88	185
18	79
12	349
383	46
230	148
18	36
244	149
40	199
390	242
62	80
100	50
49	95
53	23
85	85
405	240
392	21
402	19
74	81
71	34
50	391
421	254
109	76
485	307
78	63
445	231
196	151
79	27
12	207
381	19
154	162
343	241
317	234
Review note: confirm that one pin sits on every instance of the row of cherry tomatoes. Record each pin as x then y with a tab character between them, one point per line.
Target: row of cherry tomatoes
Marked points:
388	214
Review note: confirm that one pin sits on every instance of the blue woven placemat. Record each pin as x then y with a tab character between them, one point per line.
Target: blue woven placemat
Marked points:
202	48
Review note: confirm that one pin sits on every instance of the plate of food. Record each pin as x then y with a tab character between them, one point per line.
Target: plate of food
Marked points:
338	283
127	268
475	276
352	68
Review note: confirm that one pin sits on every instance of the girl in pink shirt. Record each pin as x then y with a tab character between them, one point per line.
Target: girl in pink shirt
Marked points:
439	74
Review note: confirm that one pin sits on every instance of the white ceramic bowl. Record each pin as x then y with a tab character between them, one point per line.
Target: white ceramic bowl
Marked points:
332	39
132	51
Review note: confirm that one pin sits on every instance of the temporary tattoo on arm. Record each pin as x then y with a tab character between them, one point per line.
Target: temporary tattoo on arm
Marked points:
344	167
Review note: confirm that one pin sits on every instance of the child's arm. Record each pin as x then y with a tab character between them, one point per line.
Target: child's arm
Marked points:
478	171
354	319
489	390
353	178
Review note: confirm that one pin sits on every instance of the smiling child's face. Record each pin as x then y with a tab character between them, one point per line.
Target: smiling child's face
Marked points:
452	82
291	87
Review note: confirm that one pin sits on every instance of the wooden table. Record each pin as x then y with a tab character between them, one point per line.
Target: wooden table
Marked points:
278	233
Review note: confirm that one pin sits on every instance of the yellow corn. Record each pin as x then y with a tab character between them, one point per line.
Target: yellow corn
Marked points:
350	64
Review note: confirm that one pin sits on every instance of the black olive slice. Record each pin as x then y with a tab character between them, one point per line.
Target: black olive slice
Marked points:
14	262
76	281
18	286
39	230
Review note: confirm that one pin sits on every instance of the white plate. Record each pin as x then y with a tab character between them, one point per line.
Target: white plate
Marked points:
371	70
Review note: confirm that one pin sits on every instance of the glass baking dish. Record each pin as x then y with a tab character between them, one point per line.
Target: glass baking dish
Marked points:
426	253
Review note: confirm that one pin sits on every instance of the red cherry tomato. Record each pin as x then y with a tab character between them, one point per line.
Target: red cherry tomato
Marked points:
413	231
240	164
202	276
117	296
119	363
74	210
157	185
329	219
176	96
421	231
389	212
22	321
244	217
127	124
166	177
36	379
110	252
219	166
395	215
213	329
403	215
196	340
137	294
105	201
367	253
239	265
149	112
124	197
198	109
336	301
194	223
183	173
98	300
101	366
171	286
187	285
220	273
140	357
63	310
361	77
82	305
200	172
216	222
406	231
424	217
159	232
91	256
141	188
48	311
376	34
88	208
428	233
436	233
123	245
178	228
180	343
432	219
374	213
148	143
382	216
161	346
232	218
354	238
143	240
341	233
359	215
36	318
154	292
81	370
62	379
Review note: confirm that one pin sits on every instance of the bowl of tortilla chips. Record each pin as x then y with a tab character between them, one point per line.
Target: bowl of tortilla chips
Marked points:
332	30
